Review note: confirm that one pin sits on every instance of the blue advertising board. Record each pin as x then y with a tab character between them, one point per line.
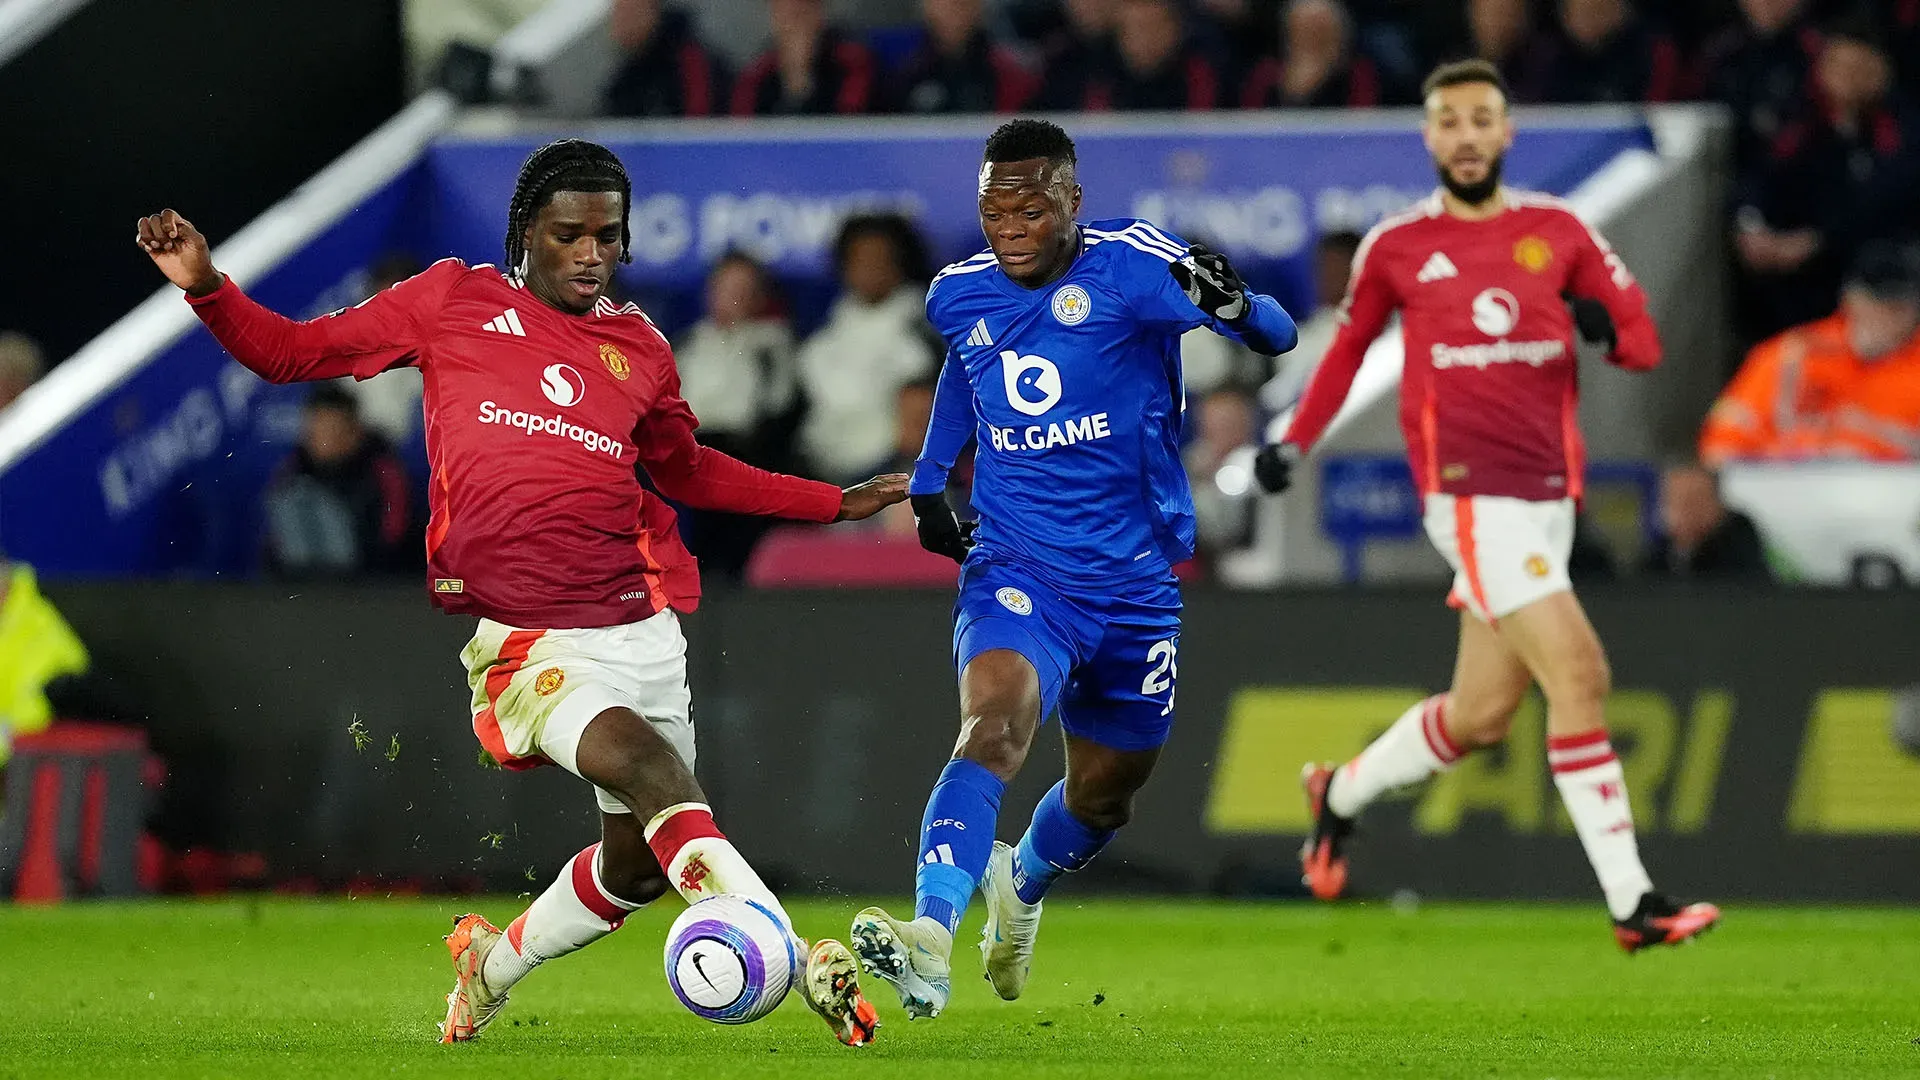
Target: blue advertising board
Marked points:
162	476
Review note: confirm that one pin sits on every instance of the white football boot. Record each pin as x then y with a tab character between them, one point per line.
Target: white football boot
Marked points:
911	956
471	1006
1006	942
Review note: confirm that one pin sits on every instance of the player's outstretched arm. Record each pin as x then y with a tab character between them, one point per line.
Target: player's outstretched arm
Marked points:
1369	302
706	479
360	341
863	500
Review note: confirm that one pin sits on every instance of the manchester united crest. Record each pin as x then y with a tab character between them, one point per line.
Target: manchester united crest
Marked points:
1536	566
1532	253
549	681
616	362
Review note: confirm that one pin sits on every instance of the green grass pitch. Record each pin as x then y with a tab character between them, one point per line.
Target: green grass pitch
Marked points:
1121	988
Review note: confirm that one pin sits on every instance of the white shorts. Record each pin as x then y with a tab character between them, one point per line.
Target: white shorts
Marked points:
1505	553
535	691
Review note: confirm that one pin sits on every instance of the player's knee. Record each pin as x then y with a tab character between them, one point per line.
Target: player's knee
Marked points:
1482	720
995	739
637	886
1581	678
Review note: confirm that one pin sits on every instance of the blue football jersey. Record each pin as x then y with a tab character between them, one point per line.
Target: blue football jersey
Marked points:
1075	396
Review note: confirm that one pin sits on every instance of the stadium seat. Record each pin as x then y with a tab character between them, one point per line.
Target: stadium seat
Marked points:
818	558
76	800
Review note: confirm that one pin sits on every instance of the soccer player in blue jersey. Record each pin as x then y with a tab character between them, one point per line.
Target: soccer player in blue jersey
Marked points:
1063	361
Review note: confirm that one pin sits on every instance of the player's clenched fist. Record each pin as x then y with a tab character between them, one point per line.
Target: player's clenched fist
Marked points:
1210	281
1273	467
940	531
179	250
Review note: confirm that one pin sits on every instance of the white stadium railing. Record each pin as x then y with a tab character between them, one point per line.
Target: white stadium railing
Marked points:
23	22
159	321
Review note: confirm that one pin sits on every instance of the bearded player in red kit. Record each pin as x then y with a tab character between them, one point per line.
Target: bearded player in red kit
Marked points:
542	395
1491	283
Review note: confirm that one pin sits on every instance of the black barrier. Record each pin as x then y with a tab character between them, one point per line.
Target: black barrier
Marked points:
1754	729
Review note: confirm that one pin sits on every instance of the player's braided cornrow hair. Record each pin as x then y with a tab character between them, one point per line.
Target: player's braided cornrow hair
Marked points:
565	165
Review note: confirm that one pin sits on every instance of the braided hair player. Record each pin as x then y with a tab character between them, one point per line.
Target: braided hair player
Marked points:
542	396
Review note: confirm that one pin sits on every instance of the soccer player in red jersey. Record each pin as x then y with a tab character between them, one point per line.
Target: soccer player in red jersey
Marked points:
1488	402
542	395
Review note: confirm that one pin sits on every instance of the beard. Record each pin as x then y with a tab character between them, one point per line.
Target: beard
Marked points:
1475	193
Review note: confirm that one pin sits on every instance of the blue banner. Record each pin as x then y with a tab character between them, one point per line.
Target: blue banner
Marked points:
164	475
1262	193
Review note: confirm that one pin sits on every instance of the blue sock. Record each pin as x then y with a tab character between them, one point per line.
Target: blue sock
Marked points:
956	837
1056	843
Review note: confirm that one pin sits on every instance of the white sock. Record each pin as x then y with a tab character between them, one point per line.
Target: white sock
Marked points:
700	862
1594	788
574	912
1414	748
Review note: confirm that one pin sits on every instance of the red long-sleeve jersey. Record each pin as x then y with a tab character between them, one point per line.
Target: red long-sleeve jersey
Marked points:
535	421
1489	397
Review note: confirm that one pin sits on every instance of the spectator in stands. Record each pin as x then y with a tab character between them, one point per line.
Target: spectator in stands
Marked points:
1332	265
1839	173
667	70
1076	40
1700	538
875	340
341	505
913	411
1154	66
737	372
21	365
1219	465
1847	386
1601	51
737	366
1498	30
960	68
1760	68
812	68
1318	63
390	401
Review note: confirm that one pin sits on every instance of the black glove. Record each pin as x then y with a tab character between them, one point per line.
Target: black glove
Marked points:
1210	282
1591	319
941	532
1273	466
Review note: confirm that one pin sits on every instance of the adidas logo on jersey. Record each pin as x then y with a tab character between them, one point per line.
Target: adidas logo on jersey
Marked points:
980	335
507	322
1438	266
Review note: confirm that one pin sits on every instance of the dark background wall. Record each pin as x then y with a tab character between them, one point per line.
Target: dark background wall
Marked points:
215	108
1755	731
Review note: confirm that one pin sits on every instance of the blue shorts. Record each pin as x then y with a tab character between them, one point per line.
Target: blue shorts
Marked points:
1107	660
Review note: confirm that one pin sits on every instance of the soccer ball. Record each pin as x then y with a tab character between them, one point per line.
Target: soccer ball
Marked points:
731	960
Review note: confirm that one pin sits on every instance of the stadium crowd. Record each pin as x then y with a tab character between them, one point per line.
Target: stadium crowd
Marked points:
1821	213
